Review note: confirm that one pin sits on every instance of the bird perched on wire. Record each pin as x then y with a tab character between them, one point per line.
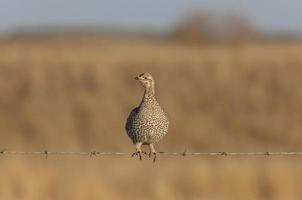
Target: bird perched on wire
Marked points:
147	124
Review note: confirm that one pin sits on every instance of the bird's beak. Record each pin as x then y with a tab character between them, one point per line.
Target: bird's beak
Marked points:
136	78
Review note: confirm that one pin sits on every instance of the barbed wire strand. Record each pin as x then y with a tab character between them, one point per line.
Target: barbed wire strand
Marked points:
185	153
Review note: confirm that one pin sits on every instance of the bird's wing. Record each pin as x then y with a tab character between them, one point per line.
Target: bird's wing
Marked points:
132	114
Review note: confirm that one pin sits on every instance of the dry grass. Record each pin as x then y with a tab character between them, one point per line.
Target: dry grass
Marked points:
75	93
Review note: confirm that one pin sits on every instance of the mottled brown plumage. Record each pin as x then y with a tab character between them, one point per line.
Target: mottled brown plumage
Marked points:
148	123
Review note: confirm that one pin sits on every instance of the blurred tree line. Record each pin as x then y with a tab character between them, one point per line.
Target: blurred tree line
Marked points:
206	27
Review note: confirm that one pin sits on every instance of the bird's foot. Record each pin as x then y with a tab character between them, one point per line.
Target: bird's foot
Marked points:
154	156
137	153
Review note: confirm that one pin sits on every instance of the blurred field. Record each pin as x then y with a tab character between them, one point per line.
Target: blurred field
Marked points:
74	93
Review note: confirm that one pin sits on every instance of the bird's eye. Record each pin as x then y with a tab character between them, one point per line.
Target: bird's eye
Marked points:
145	78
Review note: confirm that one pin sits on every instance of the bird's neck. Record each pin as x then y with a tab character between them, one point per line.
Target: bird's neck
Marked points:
149	95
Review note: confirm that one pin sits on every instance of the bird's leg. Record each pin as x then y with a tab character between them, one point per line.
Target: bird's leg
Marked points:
138	150
152	151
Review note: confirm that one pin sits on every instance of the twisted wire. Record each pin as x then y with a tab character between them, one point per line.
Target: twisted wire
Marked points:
47	153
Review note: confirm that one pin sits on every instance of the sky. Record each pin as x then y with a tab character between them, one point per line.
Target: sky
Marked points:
268	15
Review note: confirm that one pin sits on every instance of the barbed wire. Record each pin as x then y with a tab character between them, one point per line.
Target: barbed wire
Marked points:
46	153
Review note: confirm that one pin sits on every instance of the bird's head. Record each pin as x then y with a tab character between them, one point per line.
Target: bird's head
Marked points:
146	80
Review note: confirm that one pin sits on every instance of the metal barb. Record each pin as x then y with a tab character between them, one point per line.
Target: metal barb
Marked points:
223	153
46	154
2	152
184	153
94	153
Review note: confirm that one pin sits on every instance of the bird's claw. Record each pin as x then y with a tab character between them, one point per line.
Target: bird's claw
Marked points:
154	156
137	153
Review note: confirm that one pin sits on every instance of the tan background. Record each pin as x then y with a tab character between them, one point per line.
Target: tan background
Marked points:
74	94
